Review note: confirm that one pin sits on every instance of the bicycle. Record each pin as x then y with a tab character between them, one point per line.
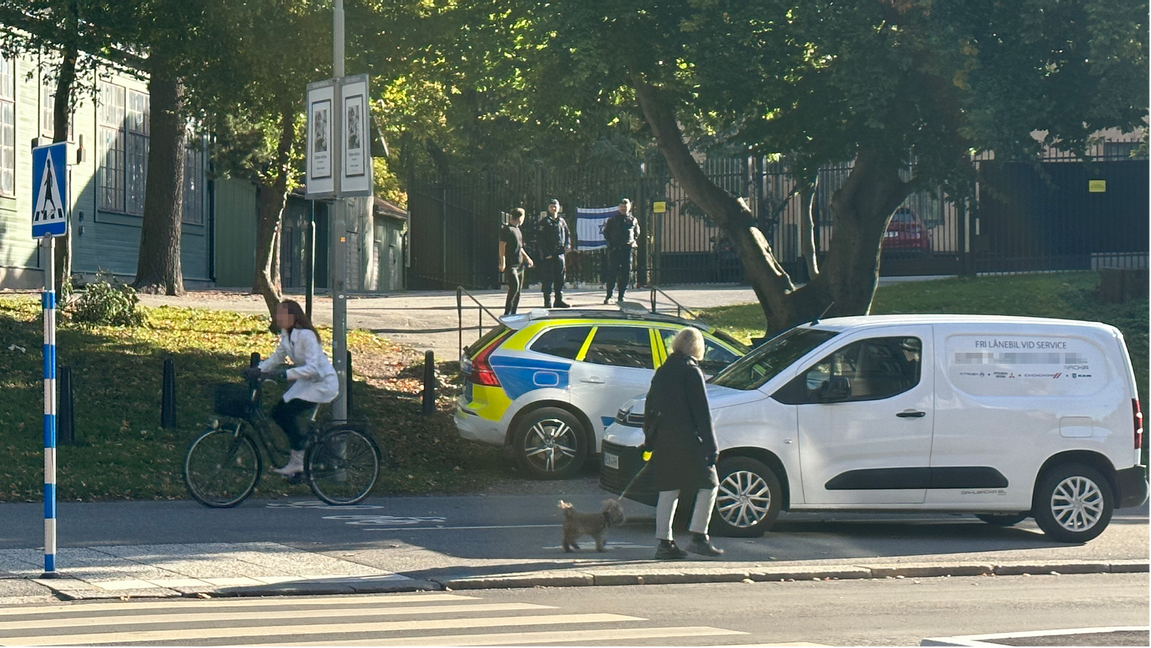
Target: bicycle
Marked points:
224	464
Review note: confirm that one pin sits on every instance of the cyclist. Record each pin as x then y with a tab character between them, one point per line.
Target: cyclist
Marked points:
314	378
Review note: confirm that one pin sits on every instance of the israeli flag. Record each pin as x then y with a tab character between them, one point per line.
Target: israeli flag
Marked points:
589	226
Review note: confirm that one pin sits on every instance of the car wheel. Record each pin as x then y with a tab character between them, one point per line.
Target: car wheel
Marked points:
1003	519
749	498
550	443
1073	503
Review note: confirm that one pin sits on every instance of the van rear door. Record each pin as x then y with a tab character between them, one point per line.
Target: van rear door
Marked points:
865	417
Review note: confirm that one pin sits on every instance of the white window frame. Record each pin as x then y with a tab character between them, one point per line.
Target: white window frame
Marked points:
7	126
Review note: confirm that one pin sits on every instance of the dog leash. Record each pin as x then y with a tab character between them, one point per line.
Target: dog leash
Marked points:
633	480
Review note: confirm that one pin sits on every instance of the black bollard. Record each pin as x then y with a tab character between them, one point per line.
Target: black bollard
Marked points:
429	382
168	397
66	421
349	399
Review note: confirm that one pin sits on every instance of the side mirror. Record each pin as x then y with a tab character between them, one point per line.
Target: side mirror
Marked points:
837	388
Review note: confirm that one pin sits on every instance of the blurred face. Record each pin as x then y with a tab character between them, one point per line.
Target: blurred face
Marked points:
553	209
516	219
624	207
284	319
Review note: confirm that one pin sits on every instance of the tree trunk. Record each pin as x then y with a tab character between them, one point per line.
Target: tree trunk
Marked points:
158	267
271	197
807	247
767	278
860	209
61	115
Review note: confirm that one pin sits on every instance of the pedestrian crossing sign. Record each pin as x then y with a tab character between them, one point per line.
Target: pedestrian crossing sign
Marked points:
49	190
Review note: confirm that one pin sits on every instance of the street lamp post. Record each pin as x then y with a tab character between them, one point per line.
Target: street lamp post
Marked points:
339	269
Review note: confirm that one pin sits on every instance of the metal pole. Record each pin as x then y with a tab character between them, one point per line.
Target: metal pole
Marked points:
339	273
310	264
460	315
49	304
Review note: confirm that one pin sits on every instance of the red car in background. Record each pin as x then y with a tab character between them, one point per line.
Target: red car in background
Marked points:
906	235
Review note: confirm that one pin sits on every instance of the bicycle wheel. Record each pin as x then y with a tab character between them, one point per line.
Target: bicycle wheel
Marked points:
342	466
222	468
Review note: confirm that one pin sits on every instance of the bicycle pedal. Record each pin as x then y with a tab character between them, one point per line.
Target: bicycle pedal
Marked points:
296	479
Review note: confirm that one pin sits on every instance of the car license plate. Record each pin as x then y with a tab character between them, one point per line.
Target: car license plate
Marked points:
611	460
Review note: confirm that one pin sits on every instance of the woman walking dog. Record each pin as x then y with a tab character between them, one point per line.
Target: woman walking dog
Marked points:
677	432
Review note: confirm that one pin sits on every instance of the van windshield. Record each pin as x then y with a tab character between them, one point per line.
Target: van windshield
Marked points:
772	357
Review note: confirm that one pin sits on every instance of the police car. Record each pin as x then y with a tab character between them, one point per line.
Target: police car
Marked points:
547	383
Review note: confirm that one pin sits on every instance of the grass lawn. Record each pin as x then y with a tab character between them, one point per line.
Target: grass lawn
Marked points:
123	453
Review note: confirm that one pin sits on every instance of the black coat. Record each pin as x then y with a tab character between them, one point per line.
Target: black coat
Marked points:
677	427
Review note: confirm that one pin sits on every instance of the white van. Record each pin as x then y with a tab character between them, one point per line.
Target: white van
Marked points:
1003	417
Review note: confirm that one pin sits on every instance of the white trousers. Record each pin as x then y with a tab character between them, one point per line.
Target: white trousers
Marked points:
700	515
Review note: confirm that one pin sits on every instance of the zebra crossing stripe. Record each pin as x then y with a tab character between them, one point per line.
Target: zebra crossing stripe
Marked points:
104	620
614	635
264	631
100	609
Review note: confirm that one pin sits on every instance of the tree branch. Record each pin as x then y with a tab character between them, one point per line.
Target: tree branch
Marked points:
766	276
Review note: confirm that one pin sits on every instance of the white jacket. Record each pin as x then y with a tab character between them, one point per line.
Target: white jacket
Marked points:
314	379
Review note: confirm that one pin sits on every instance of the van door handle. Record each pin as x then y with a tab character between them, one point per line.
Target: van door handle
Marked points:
595	380
911	414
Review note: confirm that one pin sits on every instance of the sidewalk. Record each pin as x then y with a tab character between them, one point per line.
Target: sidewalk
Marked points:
267	569
205	569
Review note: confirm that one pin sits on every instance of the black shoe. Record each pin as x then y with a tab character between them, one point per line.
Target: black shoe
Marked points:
607	300
701	544
547	304
562	304
668	551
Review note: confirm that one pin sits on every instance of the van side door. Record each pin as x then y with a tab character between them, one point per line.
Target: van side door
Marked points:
865	416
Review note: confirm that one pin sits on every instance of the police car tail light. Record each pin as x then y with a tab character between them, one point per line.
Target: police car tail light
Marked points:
482	372
1138	421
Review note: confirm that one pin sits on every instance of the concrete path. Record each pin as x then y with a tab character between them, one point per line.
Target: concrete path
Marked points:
430	321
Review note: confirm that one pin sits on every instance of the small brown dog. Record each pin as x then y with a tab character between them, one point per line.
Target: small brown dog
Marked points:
577	524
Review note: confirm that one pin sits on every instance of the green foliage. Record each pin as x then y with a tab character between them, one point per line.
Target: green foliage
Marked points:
117	373
106	302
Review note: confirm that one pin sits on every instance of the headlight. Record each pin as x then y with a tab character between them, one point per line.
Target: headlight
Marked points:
621	414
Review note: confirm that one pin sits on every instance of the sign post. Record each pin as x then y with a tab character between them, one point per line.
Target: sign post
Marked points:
338	167
49	219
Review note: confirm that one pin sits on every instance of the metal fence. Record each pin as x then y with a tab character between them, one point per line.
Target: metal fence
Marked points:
1057	214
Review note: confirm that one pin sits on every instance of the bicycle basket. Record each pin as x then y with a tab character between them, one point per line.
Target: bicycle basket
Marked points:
233	400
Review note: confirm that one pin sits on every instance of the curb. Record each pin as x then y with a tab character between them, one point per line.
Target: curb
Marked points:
789	574
74	589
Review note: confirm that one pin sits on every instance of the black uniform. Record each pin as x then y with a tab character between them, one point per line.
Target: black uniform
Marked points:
621	232
552	240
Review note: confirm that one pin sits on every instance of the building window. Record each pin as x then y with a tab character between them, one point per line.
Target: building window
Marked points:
48	110
193	186
124	129
136	161
47	106
7	126
111	120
